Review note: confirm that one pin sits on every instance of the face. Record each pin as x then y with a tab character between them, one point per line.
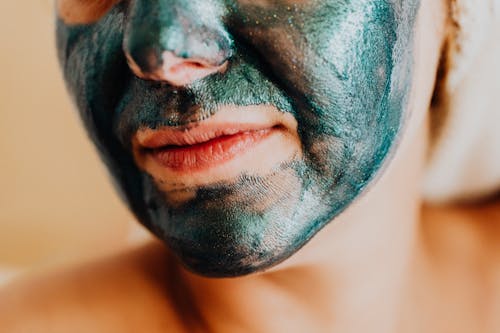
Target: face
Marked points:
237	129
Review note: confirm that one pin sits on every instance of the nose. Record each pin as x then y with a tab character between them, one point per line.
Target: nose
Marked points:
168	41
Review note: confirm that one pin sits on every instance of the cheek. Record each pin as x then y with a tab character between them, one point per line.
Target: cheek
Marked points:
320	56
95	70
83	11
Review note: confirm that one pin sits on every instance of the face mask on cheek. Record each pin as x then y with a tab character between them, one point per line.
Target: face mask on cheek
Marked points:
340	70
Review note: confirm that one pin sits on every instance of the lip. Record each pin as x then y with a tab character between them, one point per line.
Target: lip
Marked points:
202	147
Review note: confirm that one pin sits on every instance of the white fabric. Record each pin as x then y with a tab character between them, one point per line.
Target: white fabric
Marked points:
465	163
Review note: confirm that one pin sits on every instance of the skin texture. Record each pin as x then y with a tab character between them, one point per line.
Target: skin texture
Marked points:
342	69
387	264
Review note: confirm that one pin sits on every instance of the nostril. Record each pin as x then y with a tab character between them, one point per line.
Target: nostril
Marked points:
175	70
194	65
181	72
169	59
187	66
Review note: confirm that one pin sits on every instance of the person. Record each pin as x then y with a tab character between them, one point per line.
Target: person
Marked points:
277	150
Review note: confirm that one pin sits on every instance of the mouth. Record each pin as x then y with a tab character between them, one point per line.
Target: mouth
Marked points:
236	140
203	147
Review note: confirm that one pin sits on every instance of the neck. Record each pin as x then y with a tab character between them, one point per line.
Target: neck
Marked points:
352	277
359	290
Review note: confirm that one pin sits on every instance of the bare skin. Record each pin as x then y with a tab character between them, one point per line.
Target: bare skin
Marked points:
454	286
457	280
388	264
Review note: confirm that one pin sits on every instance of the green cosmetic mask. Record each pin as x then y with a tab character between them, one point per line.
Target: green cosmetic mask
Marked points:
341	68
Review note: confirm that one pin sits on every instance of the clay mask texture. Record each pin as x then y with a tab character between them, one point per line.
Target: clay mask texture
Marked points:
342	68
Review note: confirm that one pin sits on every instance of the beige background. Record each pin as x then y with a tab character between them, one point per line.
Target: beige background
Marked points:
56	202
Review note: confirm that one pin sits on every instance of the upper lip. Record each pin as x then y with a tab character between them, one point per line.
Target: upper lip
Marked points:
202	132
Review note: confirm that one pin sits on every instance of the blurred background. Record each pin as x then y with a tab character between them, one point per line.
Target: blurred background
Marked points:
56	202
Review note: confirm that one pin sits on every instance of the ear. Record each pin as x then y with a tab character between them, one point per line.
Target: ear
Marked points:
465	161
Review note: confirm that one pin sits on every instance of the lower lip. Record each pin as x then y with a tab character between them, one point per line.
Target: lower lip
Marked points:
208	154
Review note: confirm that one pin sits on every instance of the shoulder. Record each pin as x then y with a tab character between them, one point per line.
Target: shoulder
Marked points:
128	292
